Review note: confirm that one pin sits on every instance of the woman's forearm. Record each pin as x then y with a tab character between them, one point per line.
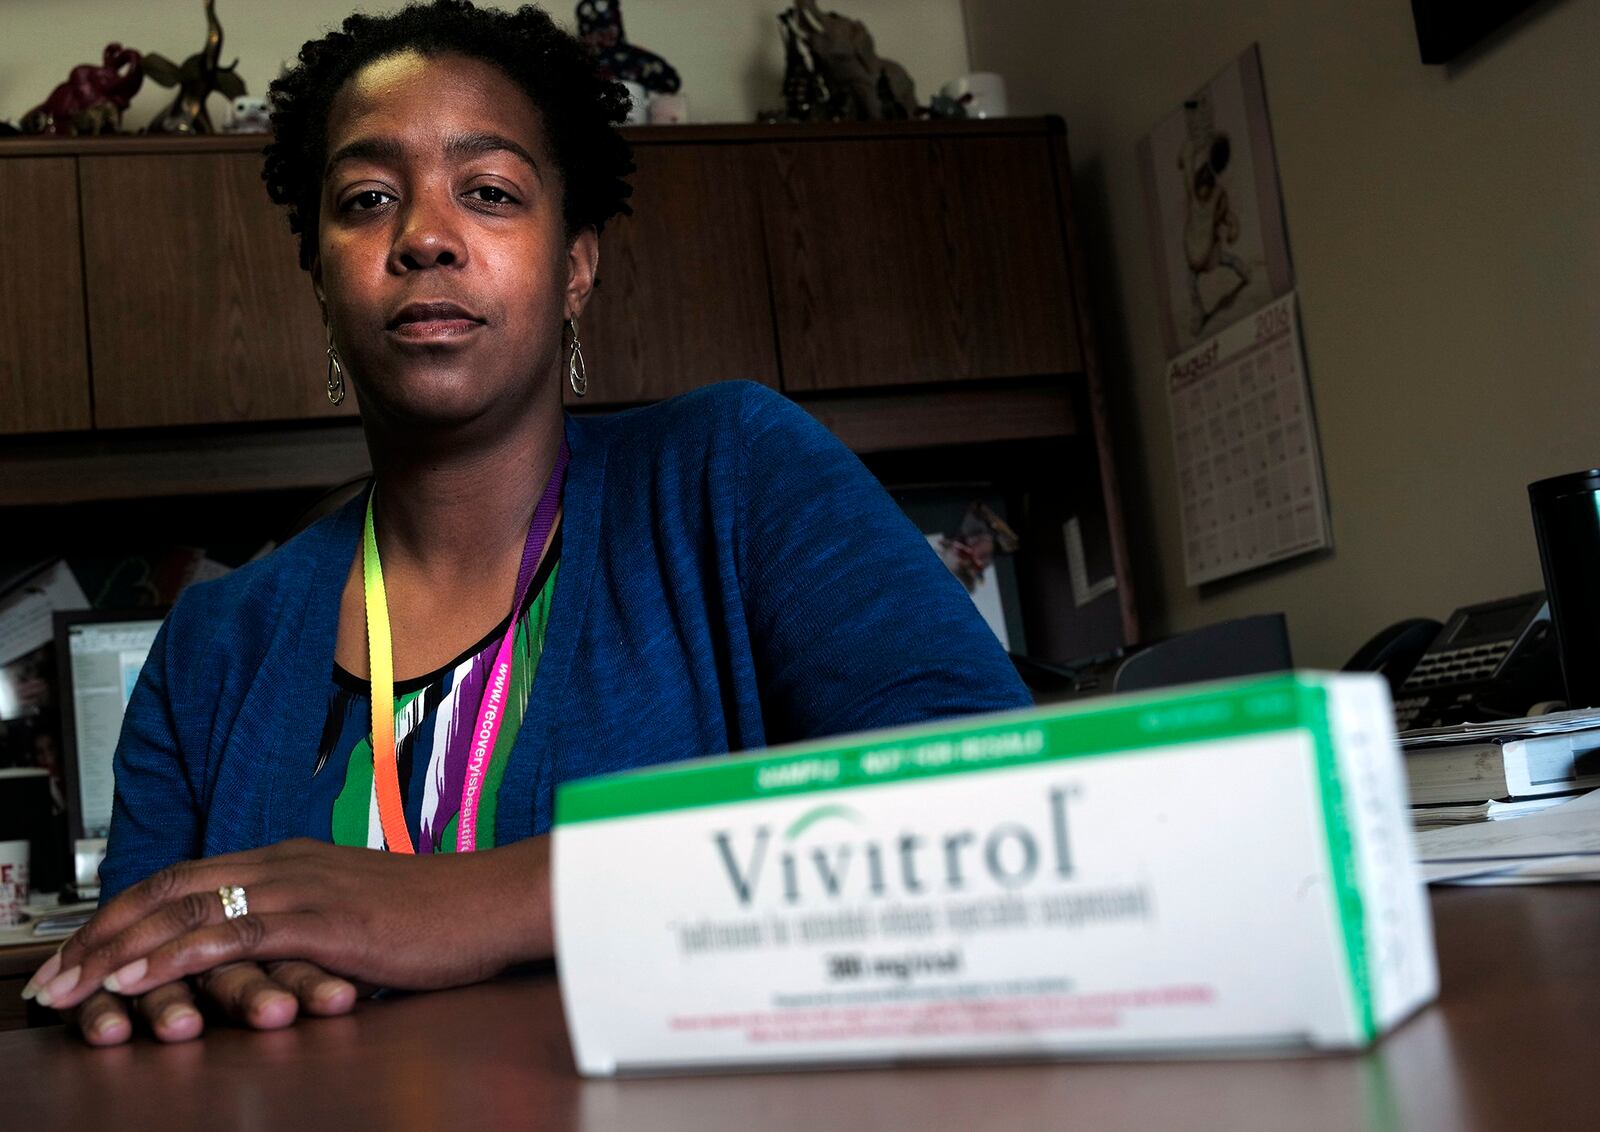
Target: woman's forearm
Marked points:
510	890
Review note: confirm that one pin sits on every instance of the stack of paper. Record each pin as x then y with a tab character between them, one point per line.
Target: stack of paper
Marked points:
1560	844
1502	730
1424	818
1538	756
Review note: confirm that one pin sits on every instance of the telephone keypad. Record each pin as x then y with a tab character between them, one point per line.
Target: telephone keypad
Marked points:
1405	711
1456	666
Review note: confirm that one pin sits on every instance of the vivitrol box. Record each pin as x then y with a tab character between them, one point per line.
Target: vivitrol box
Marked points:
1225	868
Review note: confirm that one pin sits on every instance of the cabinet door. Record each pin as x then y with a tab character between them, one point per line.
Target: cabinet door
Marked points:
44	369
198	310
910	260
682	299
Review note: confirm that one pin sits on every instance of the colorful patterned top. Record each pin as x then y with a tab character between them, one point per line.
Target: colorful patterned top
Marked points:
434	719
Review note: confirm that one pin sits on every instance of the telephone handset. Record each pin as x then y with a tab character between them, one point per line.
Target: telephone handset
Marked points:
1495	660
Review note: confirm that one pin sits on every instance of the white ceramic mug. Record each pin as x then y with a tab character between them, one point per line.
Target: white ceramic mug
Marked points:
982	93
668	110
638	113
13	882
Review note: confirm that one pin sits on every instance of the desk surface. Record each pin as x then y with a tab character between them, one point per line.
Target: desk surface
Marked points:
1514	1042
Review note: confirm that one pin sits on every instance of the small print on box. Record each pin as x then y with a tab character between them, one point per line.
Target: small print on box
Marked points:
1215	216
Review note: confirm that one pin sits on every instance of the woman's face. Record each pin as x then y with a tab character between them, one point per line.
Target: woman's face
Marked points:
442	254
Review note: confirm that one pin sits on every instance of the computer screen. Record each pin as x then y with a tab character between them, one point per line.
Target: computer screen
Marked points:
100	656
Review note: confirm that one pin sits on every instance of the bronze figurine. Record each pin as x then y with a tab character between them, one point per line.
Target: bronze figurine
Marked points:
195	80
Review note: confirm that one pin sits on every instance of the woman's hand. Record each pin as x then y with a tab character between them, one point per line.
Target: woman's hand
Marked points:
263	998
414	922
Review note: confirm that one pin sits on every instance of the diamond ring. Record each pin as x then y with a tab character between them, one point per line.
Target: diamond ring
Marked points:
234	904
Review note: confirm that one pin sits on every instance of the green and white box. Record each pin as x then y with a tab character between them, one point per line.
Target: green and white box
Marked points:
1220	869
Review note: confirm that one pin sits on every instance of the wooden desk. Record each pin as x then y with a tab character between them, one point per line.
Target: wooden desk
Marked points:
1514	1042
17	962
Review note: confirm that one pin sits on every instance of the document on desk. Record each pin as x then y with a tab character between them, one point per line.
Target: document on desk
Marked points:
1501	730
1065	881
25	613
1526	847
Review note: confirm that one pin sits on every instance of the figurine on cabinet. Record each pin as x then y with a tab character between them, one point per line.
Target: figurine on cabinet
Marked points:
195	79
248	115
833	71
92	99
600	26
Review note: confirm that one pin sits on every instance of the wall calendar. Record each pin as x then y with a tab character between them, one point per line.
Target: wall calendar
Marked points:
1250	478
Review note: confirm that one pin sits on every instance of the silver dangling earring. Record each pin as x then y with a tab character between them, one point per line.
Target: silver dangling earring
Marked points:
335	373
577	373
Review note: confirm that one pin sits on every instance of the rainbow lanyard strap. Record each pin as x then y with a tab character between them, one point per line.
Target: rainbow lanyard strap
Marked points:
380	663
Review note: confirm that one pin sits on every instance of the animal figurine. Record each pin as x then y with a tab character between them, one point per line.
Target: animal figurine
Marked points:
92	99
860	85
600	26
195	80
247	115
805	95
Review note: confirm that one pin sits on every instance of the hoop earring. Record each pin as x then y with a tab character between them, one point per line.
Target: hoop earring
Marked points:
577	372
335	373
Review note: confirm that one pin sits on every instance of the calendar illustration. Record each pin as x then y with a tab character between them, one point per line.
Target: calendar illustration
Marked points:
1250	479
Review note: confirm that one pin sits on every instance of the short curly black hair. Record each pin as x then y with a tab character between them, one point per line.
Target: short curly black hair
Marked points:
579	108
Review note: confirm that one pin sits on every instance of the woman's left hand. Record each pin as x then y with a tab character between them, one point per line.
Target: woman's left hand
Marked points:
395	920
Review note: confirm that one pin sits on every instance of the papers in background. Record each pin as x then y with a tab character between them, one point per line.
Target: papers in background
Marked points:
1425	818
1502	730
1083	590
208	569
1539	870
43	909
25	621
62	924
1561	843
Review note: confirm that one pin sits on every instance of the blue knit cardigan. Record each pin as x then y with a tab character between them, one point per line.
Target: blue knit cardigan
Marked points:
732	578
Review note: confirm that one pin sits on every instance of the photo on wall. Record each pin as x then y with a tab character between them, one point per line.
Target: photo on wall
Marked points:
1215	215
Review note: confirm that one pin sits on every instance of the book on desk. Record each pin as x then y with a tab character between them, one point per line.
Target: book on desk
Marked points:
1504	760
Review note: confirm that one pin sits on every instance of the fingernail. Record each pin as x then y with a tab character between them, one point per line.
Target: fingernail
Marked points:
176	1015
329	991
106	1023
271	1010
43	975
60	985
126	976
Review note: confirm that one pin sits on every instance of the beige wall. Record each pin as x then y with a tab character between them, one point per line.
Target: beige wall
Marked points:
727	51
1445	227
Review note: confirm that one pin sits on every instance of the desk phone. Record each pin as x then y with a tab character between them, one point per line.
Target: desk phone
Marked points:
1489	661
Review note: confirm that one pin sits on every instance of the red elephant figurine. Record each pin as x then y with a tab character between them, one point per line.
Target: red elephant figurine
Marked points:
92	99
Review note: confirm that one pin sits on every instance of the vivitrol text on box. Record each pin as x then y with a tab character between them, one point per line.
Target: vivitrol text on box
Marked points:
1225	868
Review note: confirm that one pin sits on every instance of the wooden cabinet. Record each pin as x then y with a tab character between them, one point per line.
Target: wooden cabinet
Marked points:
682	297
817	260
915	260
198	310
44	365
915	286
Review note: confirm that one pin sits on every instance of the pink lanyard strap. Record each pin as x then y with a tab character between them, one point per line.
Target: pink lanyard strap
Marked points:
491	710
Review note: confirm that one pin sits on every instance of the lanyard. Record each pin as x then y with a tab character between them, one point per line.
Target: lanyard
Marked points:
380	662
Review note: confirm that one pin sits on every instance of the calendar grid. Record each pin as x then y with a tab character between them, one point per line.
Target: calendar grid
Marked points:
1251	488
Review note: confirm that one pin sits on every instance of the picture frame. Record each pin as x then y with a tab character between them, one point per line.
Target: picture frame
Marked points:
1219	244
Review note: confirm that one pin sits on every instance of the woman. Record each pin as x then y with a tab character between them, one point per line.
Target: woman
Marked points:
540	598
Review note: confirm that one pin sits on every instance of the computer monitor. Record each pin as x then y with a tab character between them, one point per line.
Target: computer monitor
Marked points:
99	655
